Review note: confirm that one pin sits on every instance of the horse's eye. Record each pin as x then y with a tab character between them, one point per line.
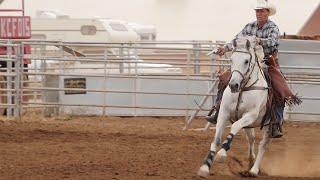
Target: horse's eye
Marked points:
246	62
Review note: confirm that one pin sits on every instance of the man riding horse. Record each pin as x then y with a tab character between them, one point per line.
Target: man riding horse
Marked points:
267	35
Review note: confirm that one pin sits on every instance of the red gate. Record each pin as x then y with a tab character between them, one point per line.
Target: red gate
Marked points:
15	27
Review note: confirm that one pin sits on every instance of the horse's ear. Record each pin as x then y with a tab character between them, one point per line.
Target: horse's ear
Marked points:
234	43
248	45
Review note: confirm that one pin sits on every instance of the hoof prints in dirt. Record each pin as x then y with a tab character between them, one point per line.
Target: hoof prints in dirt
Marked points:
240	168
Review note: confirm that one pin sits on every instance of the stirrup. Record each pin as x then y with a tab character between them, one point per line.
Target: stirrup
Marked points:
212	119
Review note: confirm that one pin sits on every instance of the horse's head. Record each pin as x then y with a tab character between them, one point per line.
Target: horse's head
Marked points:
244	57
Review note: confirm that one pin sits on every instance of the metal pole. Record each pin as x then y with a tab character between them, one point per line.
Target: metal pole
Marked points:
62	63
43	67
121	56
9	78
22	7
196	46
187	79
18	75
105	82
136	80
36	49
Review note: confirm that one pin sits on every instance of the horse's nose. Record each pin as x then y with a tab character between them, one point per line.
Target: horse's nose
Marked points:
234	87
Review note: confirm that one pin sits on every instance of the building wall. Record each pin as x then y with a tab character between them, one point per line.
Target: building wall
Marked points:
312	26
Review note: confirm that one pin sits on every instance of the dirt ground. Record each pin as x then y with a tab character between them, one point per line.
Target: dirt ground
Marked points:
142	148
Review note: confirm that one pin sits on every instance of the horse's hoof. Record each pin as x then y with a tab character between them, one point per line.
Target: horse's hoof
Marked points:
221	156
204	171
248	174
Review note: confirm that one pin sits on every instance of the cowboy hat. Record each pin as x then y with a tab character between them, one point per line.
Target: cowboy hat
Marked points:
264	4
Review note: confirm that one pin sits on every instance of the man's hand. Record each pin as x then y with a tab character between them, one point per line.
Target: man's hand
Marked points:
258	41
221	51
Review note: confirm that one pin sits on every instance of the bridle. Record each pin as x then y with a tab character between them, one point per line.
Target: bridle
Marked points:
245	79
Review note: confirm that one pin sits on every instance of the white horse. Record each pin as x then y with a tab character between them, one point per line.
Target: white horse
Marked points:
243	103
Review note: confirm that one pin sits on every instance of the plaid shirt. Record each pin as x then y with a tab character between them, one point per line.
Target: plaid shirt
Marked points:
269	35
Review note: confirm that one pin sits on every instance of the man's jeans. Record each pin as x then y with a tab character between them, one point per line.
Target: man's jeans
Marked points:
279	113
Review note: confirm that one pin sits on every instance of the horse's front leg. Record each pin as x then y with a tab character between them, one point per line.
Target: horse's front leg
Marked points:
251	139
262	148
245	121
204	170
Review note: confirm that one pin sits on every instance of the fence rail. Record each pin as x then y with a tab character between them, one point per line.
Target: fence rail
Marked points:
171	77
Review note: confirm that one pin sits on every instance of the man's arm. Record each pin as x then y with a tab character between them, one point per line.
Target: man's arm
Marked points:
273	38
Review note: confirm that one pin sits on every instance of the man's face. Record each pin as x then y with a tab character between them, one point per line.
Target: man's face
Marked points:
262	15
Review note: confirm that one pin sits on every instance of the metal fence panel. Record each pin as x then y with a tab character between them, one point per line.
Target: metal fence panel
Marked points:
139	79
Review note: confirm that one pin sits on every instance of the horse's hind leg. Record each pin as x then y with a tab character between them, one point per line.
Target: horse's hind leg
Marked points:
262	147
251	139
207	163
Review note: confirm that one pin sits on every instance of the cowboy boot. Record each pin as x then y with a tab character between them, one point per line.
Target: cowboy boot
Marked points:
214	116
276	124
276	131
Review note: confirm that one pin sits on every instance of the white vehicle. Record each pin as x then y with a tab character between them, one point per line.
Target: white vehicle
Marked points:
62	28
54	25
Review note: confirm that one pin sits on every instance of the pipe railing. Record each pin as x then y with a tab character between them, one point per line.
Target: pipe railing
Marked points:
189	56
